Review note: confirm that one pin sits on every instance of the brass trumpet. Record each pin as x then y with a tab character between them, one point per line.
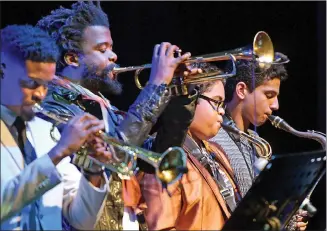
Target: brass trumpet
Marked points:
178	85
169	166
261	51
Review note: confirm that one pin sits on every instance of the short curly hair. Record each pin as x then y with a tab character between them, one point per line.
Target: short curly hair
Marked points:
30	43
206	68
245	69
67	26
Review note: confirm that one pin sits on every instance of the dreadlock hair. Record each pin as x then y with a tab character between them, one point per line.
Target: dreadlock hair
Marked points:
29	43
67	26
206	68
245	70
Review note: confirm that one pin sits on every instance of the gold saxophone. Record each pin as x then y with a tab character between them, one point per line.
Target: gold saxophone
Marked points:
260	143
310	134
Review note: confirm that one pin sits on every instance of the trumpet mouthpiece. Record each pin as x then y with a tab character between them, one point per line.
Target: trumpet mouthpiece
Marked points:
37	108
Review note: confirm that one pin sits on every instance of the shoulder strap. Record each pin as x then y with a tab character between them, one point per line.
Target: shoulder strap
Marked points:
222	159
220	155
211	183
189	147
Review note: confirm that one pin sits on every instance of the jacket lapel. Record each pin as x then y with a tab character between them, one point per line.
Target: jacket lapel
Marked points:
212	184
105	116
33	135
8	141
188	146
38	134
110	120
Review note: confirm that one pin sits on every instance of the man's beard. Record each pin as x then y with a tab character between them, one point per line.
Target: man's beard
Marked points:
101	82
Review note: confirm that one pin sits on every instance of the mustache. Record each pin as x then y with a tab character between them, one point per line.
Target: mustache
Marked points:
99	81
90	71
109	69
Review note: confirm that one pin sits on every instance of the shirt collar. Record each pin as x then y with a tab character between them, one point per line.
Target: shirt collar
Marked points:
7	115
230	122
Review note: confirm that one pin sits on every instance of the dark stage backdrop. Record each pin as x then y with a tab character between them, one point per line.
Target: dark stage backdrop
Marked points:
297	29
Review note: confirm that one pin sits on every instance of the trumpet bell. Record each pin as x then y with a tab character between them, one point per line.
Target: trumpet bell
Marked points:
171	165
263	48
261	51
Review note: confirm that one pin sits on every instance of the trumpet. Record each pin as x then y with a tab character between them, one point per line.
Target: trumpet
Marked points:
169	166
179	84
261	51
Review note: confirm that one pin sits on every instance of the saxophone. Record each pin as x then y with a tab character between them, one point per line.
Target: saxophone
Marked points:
263	146
310	134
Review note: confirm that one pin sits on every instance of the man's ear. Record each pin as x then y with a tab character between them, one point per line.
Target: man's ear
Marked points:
241	90
71	59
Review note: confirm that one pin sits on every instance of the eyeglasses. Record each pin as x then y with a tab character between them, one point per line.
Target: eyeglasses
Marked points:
215	104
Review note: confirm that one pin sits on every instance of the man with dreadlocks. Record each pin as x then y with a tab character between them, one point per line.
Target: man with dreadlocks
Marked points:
84	38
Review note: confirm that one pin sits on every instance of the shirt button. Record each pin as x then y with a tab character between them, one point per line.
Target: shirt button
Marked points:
41	216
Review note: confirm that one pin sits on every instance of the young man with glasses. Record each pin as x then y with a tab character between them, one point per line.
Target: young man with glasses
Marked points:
215	104
203	198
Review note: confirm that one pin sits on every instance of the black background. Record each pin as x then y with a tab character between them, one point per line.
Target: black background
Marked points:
297	29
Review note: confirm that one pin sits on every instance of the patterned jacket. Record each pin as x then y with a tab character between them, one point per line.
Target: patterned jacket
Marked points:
132	128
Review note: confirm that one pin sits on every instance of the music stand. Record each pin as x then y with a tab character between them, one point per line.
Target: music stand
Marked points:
278	192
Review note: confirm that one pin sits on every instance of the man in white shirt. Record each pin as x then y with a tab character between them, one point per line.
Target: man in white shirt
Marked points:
38	182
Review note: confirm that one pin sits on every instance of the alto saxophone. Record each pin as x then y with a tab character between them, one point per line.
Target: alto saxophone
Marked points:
264	147
310	134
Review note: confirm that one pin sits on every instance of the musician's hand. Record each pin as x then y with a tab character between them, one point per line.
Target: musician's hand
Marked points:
301	215
164	63
301	225
101	150
74	135
188	71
